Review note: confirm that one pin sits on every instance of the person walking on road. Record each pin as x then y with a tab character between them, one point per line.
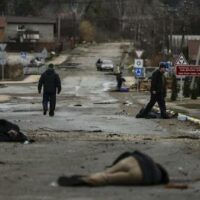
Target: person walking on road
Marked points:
119	80
50	81
158	93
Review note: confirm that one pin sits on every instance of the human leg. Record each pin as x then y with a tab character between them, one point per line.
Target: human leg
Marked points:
45	102
162	106
52	104
148	107
125	172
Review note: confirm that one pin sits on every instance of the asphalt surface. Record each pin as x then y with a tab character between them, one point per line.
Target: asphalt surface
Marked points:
91	127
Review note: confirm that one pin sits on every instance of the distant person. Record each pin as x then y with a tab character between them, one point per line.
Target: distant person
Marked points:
158	93
130	168
50	81
99	61
119	80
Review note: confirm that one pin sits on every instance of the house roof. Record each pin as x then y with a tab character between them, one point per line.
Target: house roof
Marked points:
2	22
29	20
193	47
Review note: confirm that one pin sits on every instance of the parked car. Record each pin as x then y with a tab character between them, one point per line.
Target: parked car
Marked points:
37	62
104	65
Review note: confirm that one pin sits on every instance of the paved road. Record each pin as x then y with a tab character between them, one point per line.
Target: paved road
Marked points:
91	127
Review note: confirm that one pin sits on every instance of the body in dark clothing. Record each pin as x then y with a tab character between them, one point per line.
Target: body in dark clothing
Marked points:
158	93
119	80
130	168
10	132
50	81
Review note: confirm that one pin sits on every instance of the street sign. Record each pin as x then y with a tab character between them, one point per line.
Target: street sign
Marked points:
139	72
181	60
188	70
44	53
138	63
2	57
139	53
23	55
2	46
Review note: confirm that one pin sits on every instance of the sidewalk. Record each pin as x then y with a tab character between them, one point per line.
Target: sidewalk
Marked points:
35	78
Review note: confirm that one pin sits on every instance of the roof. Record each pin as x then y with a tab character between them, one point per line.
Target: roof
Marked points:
2	22
29	20
193	46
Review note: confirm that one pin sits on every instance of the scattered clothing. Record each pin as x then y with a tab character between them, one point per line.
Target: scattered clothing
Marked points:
154	115
50	81
130	168
10	132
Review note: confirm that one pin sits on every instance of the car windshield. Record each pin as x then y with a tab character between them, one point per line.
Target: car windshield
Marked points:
107	61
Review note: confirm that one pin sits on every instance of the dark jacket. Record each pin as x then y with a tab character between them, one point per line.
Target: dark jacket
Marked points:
153	173
5	136
158	83
50	81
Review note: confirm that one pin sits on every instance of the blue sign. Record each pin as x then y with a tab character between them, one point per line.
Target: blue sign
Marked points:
138	72
167	64
23	55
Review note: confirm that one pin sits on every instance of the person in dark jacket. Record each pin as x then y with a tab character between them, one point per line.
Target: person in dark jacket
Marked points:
158	93
50	81
130	168
119	80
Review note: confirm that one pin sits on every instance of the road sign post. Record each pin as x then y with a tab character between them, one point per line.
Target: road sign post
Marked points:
139	73
2	62
181	61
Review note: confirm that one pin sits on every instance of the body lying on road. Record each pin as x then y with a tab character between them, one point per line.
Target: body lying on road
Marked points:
10	132
130	168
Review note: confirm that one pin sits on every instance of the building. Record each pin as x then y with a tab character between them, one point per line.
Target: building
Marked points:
2	28
27	29
193	48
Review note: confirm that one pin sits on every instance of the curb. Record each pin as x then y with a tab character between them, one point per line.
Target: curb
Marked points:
183	117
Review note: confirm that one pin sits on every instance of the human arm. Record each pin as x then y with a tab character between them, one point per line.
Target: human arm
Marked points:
58	84
40	83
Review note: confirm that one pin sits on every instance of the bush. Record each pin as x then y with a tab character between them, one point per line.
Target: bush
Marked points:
174	88
186	87
87	31
13	72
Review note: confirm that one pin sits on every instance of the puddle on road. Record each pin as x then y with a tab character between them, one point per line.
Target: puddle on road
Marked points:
110	101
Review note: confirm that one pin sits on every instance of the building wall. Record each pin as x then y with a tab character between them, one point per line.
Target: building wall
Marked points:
2	35
46	31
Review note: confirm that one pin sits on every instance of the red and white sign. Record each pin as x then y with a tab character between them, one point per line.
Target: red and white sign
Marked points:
188	70
181	60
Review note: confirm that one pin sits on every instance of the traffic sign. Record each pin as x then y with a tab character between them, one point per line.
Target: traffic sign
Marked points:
139	72
2	57
44	53
139	53
23	55
181	60
188	70
2	46
138	63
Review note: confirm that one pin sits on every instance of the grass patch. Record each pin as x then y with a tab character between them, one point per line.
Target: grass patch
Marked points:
191	106
179	111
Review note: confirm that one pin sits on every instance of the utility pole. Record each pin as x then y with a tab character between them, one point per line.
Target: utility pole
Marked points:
59	27
186	11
